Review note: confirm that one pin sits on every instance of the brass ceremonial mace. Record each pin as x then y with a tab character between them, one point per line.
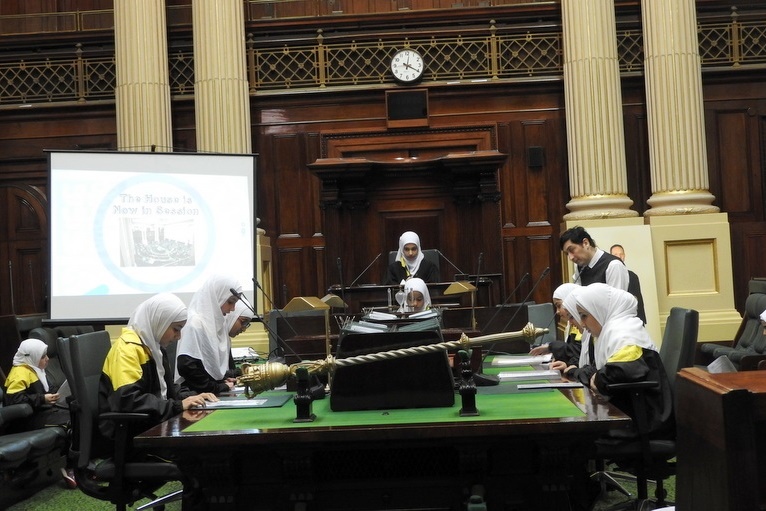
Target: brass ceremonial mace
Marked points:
258	378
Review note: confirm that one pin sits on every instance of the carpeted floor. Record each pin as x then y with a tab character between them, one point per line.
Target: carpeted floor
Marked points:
57	497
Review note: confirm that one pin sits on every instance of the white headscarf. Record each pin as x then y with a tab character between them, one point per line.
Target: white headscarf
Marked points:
615	310
150	321
405	239
240	311
416	284
563	291
560	293
29	354
570	304
763	316
204	336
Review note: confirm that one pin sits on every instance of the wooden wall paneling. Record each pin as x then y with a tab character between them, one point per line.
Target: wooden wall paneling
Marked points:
532	196
748	241
732	179
5	281
25	259
636	146
297	218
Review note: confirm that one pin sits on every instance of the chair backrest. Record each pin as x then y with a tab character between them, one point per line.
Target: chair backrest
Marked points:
543	315
751	329
88	352
53	371
679	341
430	254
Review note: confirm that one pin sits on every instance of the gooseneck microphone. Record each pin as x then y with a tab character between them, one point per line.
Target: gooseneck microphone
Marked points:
340	274
285	346
363	271
525	277
478	269
545	272
459	271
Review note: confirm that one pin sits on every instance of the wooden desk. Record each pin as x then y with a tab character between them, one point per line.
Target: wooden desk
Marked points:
372	460
721	442
376	295
304	332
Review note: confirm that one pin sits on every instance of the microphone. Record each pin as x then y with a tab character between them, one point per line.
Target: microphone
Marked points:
491	379
363	271
342	287
478	268
280	341
545	272
242	298
459	271
525	277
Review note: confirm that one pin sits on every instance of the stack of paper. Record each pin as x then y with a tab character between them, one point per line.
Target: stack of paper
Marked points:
529	375
550	385
520	360
381	316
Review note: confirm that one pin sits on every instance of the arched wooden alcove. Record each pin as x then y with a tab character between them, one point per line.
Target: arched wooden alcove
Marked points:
442	184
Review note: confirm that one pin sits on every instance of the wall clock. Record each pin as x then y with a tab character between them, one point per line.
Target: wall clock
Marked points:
407	66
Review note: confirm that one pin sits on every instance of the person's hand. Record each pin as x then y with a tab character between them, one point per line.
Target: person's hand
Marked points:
593	383
51	398
230	383
539	350
558	365
198	400
193	415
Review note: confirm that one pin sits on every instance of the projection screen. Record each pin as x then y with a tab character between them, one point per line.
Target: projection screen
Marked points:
125	226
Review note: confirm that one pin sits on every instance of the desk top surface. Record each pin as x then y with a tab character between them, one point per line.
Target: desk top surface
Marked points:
504	411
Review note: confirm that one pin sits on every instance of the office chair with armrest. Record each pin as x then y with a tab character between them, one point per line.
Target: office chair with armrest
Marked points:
646	457
29	459
104	471
749	345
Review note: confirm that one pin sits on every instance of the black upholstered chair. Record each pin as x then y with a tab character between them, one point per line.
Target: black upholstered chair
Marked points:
430	254
646	457
749	345
104	469
28	459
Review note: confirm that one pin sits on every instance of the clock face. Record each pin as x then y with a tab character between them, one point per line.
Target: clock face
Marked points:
407	66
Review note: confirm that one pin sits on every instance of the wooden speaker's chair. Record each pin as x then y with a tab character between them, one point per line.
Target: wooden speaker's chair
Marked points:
103	469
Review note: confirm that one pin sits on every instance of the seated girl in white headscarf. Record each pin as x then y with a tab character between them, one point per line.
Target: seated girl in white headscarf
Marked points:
622	351
27	383
204	351
416	296
565	352
410	262
136	375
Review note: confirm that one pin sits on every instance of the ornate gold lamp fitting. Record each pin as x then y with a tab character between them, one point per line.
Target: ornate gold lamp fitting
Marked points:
258	378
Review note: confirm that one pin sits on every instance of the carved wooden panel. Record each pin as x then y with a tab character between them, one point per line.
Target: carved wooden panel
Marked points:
23	242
